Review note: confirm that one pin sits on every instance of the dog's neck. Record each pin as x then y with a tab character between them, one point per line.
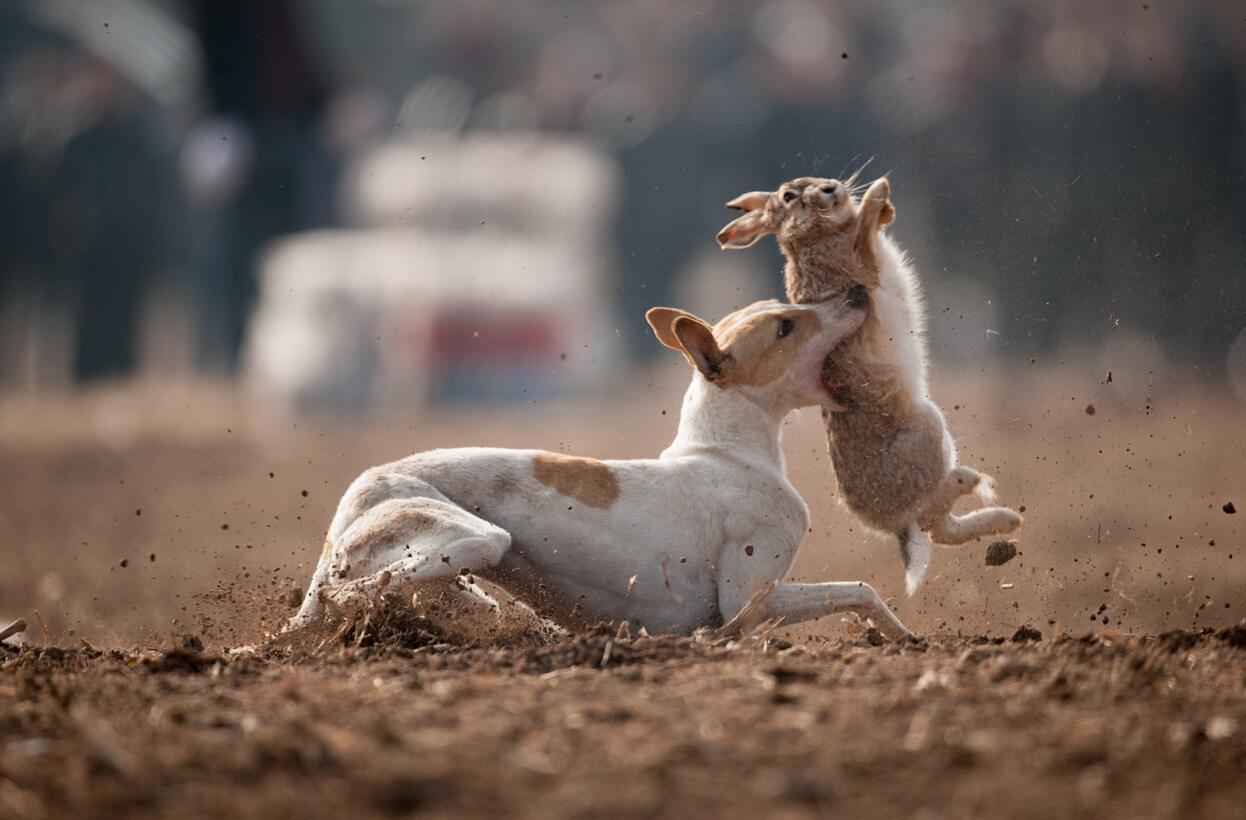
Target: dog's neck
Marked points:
724	420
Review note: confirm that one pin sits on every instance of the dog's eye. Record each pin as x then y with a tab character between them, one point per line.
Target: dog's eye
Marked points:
785	327
788	196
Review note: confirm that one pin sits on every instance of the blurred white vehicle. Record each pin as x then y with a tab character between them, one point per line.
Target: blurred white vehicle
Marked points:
477	272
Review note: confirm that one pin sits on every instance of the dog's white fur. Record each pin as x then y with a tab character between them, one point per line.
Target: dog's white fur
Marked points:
702	536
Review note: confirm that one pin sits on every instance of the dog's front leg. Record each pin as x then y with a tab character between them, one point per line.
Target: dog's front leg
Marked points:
750	590
796	603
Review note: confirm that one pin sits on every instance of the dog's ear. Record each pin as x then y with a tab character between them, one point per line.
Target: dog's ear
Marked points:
750	201
696	339
743	231
662	320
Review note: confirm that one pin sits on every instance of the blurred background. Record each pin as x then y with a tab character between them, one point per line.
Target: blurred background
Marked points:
324	233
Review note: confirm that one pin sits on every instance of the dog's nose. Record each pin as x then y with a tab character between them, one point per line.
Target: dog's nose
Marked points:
857	297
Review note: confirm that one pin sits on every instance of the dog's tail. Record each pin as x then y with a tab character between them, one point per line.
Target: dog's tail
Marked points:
915	553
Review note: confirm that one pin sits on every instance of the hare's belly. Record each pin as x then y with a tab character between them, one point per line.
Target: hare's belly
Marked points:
888	481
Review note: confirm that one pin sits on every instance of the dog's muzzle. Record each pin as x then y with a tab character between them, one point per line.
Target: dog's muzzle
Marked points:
857	297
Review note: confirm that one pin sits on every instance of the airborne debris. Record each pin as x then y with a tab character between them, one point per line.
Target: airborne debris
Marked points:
1000	553
1229	508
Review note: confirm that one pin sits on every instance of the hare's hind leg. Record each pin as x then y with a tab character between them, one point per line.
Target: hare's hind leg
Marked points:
945	527
403	540
960	481
957	529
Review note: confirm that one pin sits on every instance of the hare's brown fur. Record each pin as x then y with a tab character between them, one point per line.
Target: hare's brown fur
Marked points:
881	426
895	461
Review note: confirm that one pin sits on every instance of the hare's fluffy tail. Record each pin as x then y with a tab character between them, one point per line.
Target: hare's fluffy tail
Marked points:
915	553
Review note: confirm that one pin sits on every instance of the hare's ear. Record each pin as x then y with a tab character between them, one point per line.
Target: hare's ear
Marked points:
750	201
697	341
743	231
662	320
877	199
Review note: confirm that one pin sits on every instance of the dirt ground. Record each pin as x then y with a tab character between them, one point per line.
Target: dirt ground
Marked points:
1102	725
155	526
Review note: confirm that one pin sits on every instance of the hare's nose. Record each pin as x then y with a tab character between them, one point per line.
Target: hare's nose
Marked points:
828	189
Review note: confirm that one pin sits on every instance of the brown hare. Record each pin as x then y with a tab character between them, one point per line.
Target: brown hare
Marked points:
894	457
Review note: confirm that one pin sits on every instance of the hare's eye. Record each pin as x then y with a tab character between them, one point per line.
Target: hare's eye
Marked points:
788	196
785	327
828	189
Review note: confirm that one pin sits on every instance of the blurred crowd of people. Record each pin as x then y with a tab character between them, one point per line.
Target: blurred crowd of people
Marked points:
1080	160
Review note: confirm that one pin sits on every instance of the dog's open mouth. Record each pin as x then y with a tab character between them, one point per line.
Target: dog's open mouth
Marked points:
826	376
833	386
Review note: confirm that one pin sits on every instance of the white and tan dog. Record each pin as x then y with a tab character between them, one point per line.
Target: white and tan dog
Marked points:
671	544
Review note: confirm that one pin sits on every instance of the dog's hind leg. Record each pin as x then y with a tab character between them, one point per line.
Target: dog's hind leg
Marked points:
403	540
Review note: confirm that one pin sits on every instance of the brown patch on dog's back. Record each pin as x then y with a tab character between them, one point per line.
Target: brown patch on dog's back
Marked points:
587	480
